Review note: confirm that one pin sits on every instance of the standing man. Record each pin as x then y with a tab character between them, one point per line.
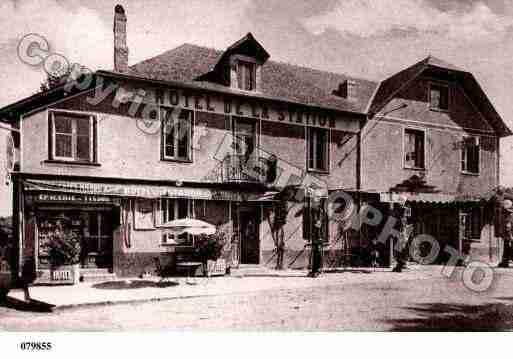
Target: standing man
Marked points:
507	236
317	239
403	247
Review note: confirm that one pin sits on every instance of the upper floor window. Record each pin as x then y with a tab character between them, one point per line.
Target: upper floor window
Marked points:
171	209
414	149
318	149
72	137
470	155
245	132
246	75
176	134
439	97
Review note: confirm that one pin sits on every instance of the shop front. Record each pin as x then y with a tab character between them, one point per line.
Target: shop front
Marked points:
91	219
121	226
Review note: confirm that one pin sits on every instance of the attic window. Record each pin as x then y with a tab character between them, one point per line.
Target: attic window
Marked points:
246	75
439	97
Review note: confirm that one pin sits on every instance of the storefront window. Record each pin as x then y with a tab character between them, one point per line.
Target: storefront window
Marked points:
471	223
93	227
171	209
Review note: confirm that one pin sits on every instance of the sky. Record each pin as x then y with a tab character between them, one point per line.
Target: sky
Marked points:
364	38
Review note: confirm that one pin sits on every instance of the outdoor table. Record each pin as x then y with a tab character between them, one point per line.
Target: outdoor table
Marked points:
191	269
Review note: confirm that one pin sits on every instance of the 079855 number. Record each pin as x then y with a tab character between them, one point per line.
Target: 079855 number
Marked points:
35	346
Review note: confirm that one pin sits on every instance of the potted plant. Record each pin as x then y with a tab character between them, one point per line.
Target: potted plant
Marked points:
64	255
209	249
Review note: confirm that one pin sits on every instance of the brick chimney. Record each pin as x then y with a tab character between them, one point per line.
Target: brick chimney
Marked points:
120	48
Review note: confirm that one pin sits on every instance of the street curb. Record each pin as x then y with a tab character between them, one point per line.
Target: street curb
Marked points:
67	307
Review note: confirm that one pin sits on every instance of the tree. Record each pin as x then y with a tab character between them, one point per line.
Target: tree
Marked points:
71	73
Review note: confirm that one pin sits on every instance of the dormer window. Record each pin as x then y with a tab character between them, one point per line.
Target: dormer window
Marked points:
246	75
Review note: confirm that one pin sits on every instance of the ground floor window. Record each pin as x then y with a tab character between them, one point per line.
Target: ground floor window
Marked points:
171	209
94	227
471	223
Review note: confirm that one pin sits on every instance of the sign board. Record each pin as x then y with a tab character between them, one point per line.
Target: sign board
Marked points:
226	104
72	198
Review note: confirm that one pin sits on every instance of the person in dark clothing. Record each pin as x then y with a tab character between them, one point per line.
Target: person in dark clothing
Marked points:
28	276
507	238
316	244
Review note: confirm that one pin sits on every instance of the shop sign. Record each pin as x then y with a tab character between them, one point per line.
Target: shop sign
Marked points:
64	197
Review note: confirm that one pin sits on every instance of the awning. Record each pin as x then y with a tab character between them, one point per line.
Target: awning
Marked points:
393	197
131	190
269	196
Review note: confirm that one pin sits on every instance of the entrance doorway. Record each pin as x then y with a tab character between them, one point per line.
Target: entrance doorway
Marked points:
97	240
249	236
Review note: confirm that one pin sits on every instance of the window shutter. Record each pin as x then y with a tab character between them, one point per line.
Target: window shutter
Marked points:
50	136
95	139
191	129
463	156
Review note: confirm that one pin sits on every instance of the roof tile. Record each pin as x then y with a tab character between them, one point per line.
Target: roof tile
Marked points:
279	80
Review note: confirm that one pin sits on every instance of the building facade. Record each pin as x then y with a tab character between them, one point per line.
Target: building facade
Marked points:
247	144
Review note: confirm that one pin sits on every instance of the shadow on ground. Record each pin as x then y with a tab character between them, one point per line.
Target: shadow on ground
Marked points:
360	271
456	317
135	284
29	306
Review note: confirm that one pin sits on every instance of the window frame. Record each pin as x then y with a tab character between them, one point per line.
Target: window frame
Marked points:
241	64
327	165
93	137
163	144
424	134
160	220
464	156
440	86
467	221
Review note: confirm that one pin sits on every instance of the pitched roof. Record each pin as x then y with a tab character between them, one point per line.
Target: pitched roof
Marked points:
391	86
280	81
436	62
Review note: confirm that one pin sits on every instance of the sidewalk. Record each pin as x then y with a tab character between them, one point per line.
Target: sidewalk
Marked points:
133	290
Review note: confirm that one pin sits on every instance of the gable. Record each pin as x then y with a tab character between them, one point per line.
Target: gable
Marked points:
412	103
437	69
